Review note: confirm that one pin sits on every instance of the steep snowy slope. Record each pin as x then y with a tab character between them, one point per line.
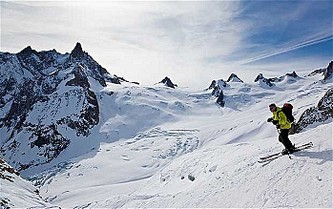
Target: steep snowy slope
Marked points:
162	147
16	192
218	176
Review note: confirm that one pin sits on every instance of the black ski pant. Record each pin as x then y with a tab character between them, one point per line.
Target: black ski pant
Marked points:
283	138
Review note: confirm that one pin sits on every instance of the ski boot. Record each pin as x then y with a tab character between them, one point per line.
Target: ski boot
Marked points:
285	152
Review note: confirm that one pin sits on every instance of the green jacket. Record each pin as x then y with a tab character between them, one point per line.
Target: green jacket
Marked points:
282	118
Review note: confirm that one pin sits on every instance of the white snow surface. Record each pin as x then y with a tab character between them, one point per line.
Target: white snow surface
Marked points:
17	192
162	147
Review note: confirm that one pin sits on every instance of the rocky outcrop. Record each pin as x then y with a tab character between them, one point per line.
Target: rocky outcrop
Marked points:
6	171
263	82
212	85
316	72
328	73
217	86
316	115
167	82
289	76
293	74
234	78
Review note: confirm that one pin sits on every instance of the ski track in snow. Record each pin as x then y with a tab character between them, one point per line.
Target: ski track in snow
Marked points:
158	147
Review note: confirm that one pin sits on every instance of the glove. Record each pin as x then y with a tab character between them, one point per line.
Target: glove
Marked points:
269	120
275	122
277	126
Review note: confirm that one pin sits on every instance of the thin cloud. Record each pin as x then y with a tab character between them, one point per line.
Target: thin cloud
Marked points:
283	50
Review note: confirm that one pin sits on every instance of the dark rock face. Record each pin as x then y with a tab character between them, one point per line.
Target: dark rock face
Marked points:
167	82
316	115
234	78
5	170
218	87
80	78
263	81
220	99
293	74
318	71
328	72
42	95
96	71
212	85
283	77
78	52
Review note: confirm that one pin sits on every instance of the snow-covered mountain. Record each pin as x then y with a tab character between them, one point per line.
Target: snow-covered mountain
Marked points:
46	98
167	82
87	138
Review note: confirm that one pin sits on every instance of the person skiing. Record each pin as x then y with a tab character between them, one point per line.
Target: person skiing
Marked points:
279	119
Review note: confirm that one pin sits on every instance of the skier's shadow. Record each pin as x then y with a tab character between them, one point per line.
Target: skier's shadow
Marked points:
324	156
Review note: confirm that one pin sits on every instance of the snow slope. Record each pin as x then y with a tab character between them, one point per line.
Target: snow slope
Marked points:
162	147
17	192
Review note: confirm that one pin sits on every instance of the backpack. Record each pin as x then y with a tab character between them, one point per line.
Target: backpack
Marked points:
287	109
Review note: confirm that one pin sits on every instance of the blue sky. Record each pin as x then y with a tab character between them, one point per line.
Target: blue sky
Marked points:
191	42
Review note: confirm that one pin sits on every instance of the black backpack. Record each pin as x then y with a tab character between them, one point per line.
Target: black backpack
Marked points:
288	111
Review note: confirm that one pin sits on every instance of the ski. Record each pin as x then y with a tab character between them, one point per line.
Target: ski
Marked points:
279	154
298	147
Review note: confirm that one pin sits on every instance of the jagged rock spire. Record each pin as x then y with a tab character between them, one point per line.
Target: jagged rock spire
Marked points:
328	73
77	51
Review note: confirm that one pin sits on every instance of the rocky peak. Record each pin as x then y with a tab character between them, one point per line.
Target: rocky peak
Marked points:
167	82
293	74
328	73
259	77
218	86
77	52
27	51
234	78
317	71
263	81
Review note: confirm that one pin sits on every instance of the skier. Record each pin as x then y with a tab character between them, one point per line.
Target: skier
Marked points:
279	119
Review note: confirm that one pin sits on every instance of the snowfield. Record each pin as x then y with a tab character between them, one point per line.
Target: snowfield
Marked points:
161	147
